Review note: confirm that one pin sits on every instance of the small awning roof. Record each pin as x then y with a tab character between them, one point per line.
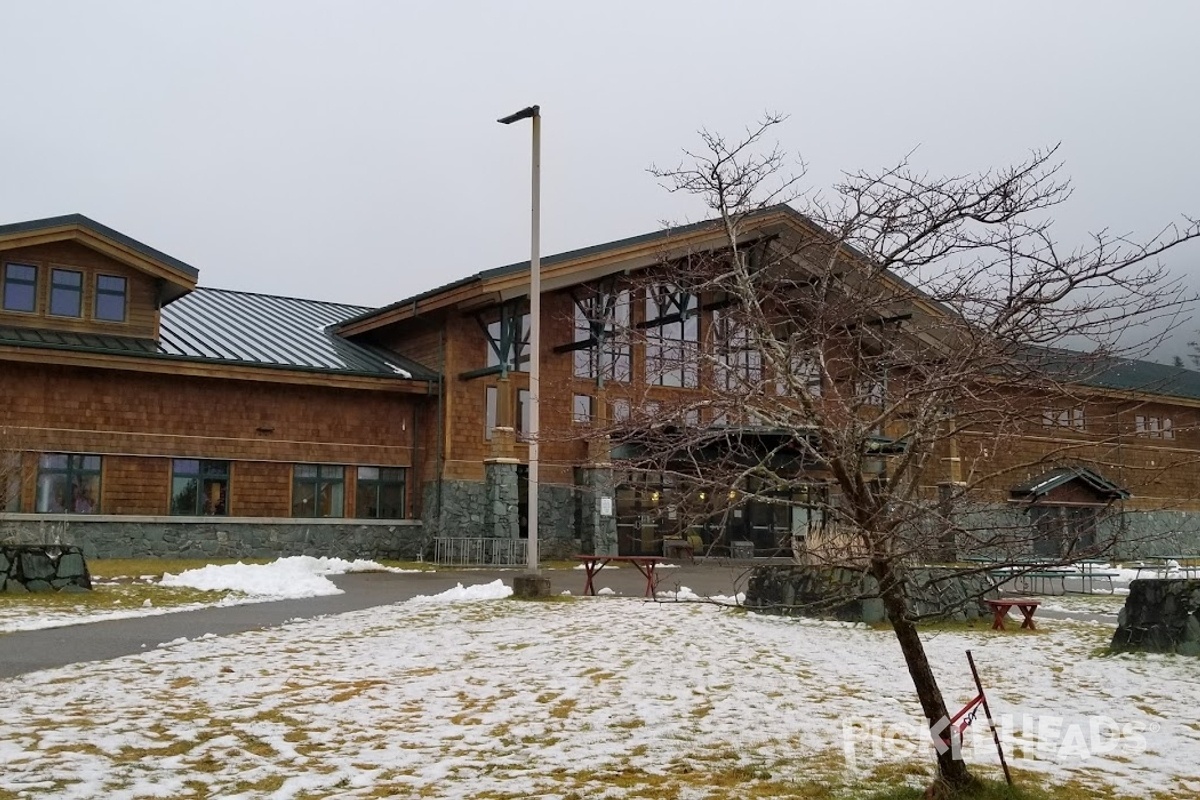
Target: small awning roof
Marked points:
1035	489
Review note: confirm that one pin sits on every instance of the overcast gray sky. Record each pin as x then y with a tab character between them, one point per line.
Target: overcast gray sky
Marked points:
349	151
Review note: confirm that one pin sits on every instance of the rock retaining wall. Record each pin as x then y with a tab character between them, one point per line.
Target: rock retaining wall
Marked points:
852	595
43	568
164	537
1161	615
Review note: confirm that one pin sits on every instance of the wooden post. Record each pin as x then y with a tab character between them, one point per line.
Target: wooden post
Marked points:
991	724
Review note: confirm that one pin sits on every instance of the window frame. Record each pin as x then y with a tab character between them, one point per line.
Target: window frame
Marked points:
602	348
583	409
75	469
102	292
205	474
37	274
672	332
379	484
335	482
738	364
55	286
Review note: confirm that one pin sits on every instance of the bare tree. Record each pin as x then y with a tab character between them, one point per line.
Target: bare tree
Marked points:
891	357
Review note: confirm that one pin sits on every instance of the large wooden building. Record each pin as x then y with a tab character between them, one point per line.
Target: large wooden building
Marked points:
142	414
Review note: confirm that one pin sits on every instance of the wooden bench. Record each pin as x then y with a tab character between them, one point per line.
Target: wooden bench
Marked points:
1001	607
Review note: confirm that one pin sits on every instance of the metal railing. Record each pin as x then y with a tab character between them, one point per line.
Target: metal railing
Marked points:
480	552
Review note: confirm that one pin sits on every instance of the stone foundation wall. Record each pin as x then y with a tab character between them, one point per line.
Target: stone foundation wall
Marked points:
1161	615
851	595
466	512
43	568
167	537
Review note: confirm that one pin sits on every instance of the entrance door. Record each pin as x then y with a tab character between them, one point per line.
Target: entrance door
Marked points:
638	520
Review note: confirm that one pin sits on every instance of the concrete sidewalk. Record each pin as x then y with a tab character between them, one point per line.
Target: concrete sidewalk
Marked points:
29	651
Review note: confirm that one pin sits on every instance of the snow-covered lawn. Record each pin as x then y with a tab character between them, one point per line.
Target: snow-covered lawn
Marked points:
120	597
465	696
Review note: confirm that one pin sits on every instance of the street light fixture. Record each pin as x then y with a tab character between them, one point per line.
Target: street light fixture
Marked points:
535	325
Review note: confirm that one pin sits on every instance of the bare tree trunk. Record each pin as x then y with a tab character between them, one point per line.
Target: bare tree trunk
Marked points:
952	771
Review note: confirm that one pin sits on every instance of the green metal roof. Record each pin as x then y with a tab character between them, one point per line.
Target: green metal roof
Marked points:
1146	377
32	226
242	329
570	255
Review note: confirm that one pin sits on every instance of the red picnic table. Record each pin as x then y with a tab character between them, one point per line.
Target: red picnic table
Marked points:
645	565
1001	607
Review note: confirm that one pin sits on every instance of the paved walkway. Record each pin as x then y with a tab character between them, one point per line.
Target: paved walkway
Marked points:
29	651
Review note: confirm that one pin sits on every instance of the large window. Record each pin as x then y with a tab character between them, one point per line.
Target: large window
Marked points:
1154	427
1063	418
524	405
738	363
199	488
805	375
110	298
318	490
66	293
68	484
379	493
20	287
508	341
673	328
602	334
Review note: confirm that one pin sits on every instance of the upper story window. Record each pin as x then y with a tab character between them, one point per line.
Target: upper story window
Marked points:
1155	427
673	330
1063	418
601	345
68	484
199	488
66	293
110	298
805	375
20	287
739	363
508	340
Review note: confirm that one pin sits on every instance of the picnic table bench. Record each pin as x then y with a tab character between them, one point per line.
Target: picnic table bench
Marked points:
1161	566
1000	608
647	565
1041	579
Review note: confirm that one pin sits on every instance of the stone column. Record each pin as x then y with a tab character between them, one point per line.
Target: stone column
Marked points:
598	501
500	488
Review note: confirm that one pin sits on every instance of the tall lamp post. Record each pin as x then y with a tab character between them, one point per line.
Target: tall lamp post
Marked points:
533	113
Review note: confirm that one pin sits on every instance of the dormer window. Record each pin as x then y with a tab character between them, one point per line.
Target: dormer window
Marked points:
66	293
110	298
20	287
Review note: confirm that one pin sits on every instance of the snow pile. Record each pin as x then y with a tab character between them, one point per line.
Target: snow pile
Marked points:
496	590
285	578
684	594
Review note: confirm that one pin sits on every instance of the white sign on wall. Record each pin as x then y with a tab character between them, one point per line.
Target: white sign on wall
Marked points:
606	507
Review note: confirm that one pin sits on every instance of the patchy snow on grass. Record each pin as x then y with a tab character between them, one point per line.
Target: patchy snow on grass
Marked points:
459	696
